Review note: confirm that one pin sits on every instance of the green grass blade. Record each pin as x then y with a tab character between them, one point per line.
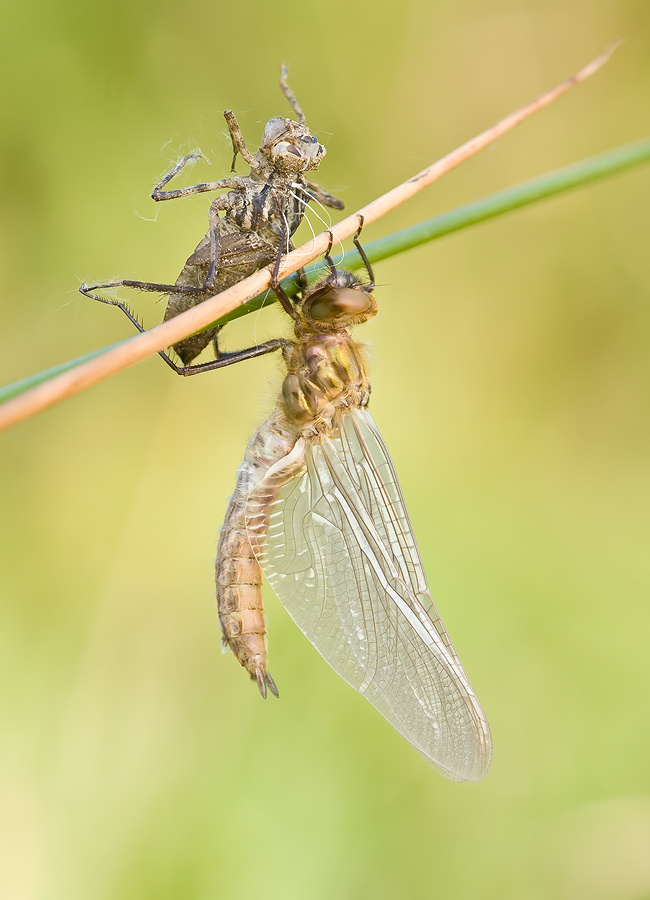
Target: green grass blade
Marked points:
610	163
556	182
19	387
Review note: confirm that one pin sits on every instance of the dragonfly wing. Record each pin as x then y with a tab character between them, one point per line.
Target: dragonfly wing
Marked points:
339	551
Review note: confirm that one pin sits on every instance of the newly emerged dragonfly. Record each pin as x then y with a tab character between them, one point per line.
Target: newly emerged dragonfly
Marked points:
318	509
250	226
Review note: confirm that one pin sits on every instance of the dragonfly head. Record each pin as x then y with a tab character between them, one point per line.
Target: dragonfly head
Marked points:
338	302
289	147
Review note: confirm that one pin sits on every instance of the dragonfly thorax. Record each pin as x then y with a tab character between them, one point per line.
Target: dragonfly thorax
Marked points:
326	372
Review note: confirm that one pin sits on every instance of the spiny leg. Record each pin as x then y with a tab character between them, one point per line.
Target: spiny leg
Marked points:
362	254
303	283
228	359
322	196
238	142
222	184
291	97
279	291
140	286
285	302
224	359
328	259
277	288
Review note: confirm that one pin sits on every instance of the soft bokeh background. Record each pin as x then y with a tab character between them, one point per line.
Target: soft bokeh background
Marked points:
511	380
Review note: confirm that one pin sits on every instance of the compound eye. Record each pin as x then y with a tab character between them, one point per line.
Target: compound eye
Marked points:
338	304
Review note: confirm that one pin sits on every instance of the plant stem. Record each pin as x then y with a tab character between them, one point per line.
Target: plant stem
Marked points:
612	162
31	381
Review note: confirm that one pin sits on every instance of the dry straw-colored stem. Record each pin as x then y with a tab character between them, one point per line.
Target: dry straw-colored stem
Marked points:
143	345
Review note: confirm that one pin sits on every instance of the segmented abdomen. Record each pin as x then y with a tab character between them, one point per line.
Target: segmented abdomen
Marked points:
238	574
326	373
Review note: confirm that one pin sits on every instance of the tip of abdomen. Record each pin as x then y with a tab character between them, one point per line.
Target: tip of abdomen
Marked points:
264	680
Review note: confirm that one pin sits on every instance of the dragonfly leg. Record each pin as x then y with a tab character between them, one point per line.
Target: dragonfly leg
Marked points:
138	285
222	360
289	94
328	258
228	359
238	142
277	288
285	302
222	184
302	280
362	254
321	196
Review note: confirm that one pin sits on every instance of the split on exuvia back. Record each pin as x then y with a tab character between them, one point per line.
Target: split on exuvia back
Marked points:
317	507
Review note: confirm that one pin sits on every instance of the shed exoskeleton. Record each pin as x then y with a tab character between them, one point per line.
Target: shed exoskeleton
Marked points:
250	226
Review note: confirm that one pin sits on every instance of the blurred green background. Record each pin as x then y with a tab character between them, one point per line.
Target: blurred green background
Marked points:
511	376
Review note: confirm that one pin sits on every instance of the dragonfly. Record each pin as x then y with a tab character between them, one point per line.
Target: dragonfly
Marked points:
250	226
318	510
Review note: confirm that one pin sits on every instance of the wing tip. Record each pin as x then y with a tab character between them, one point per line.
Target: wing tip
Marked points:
473	770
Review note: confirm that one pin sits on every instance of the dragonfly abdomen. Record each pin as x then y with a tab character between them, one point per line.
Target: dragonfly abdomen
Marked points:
238	574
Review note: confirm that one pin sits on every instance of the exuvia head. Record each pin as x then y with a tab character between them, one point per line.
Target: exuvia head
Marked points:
290	147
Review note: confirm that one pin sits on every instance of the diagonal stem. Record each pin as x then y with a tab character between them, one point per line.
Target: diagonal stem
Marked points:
610	163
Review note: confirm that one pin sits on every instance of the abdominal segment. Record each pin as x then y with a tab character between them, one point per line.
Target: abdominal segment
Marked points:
239	598
326	376
238	574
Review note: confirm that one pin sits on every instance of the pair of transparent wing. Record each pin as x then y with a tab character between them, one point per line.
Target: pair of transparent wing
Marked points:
339	552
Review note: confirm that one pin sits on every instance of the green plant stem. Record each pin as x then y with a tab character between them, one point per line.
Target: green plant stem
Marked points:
524	194
19	387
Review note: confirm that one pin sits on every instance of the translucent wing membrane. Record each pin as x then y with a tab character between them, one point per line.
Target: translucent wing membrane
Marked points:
338	549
